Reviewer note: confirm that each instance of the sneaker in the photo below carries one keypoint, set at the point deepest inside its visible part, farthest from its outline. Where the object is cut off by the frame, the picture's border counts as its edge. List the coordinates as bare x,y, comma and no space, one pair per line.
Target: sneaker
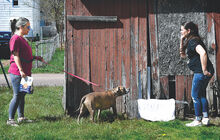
194,123
24,120
205,121
12,122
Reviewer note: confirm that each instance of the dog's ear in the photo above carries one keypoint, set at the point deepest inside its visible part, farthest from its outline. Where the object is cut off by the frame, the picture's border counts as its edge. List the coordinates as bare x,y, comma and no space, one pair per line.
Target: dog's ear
118,88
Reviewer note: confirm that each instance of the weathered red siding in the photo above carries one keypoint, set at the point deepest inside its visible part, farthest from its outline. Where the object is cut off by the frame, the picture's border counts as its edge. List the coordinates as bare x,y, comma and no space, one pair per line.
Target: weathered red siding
109,54
115,53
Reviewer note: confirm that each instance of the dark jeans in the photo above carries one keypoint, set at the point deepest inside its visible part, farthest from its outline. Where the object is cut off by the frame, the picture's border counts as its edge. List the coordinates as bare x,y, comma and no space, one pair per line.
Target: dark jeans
18,100
199,84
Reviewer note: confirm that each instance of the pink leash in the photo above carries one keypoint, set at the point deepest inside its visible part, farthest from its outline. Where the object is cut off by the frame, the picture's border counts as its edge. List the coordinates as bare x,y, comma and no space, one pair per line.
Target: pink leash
72,74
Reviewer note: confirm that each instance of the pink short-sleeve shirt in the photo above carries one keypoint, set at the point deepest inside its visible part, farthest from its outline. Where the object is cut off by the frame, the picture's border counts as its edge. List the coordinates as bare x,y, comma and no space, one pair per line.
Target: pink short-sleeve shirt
19,44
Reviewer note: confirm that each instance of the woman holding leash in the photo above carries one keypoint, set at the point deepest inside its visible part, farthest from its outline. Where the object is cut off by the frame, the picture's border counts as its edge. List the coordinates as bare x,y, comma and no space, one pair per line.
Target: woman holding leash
20,66
202,68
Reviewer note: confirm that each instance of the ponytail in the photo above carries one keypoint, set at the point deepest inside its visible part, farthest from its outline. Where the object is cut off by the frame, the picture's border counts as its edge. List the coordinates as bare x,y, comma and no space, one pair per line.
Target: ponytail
13,25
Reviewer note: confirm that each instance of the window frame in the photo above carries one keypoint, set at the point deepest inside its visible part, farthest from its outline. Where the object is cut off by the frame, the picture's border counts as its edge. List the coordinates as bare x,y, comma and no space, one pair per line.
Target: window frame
14,2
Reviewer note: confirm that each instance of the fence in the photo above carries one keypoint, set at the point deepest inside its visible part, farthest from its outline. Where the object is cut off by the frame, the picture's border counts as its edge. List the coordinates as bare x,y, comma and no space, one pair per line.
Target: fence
46,49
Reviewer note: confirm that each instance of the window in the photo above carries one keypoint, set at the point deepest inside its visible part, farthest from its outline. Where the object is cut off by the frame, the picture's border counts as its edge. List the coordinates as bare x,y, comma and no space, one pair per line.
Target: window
15,2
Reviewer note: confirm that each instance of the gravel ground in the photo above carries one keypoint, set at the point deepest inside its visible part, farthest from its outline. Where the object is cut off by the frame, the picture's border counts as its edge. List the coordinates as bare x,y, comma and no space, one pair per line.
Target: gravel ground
46,79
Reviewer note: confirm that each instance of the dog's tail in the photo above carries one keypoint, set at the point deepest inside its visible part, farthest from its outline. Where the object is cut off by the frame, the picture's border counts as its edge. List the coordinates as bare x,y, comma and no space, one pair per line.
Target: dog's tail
81,102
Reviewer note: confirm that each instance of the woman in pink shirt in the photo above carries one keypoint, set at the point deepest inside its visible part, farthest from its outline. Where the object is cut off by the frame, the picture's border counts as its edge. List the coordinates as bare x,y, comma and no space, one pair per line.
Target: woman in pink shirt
20,66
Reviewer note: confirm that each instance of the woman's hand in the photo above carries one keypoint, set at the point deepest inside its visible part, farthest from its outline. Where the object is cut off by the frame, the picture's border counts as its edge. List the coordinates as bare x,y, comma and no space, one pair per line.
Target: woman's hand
205,72
182,37
22,74
39,58
183,55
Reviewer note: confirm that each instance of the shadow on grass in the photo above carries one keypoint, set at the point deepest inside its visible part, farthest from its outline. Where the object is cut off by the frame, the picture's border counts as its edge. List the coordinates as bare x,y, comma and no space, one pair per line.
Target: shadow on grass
211,125
105,116
108,116
51,118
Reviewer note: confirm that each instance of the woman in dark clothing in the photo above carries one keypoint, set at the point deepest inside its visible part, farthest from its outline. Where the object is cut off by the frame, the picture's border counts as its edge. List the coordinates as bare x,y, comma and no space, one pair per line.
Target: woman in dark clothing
202,68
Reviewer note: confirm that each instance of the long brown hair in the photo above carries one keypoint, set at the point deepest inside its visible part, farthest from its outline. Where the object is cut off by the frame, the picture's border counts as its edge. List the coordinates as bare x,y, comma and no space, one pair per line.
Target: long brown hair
194,33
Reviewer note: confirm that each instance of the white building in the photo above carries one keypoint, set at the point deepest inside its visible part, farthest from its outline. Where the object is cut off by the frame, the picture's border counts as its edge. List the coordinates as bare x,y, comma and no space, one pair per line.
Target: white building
10,9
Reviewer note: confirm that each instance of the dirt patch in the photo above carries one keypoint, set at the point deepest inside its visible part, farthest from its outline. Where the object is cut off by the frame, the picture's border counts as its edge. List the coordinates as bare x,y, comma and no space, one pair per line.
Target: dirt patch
215,121
5,62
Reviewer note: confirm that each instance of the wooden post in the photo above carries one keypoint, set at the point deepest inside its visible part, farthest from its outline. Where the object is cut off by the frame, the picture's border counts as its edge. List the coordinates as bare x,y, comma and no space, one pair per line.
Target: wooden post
36,54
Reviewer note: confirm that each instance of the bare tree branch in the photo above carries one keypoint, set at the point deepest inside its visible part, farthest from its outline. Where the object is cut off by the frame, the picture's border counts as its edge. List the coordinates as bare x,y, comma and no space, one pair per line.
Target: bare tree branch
52,11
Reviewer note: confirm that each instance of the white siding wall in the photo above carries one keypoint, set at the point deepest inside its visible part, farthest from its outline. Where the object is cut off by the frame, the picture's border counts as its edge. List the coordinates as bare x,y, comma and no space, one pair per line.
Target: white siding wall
36,17
8,12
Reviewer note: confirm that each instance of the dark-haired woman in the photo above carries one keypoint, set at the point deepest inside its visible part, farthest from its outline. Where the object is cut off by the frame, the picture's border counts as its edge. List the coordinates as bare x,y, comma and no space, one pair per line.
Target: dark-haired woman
20,66
202,68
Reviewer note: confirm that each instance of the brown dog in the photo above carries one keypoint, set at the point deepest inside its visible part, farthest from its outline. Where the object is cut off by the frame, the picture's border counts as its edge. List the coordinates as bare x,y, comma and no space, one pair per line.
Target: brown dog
100,101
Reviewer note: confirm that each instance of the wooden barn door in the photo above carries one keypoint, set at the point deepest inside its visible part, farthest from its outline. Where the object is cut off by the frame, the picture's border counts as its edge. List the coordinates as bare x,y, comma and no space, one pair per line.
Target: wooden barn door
105,51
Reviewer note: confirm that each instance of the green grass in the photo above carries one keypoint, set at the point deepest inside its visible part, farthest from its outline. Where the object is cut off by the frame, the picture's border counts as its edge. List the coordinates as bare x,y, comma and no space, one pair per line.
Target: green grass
57,60
45,107
5,68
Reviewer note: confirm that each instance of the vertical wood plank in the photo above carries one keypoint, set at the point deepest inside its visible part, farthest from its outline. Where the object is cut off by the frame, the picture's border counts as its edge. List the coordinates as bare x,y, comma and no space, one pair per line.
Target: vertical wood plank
102,49
164,81
180,85
134,55
108,48
68,48
126,71
142,49
71,58
94,47
118,12
154,50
